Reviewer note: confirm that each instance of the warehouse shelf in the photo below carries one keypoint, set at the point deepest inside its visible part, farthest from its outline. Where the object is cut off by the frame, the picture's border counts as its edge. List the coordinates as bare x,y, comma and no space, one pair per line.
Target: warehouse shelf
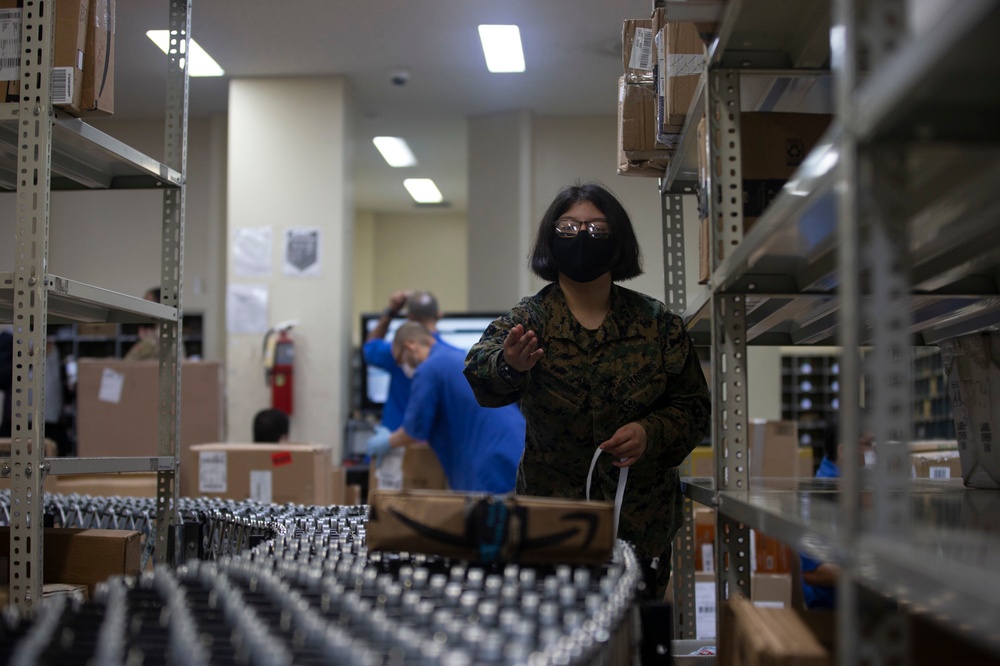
885,236
948,566
71,301
83,157
41,150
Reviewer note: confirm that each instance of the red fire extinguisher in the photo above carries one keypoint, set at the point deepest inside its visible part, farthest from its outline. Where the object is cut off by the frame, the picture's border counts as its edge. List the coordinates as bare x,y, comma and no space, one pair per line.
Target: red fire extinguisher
281,367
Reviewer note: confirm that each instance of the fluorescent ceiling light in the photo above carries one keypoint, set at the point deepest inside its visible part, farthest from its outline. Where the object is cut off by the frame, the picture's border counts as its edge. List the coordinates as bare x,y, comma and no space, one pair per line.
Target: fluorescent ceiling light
202,64
423,190
502,46
395,151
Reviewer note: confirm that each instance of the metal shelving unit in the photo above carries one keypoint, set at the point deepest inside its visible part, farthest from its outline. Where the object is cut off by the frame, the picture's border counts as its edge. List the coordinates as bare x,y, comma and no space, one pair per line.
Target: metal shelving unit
885,237
42,150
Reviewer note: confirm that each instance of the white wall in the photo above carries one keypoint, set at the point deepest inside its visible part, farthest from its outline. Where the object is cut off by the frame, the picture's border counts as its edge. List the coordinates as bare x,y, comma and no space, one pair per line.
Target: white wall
288,169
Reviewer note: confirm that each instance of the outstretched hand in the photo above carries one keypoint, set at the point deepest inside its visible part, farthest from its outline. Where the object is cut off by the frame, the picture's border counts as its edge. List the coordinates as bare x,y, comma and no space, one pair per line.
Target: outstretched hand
627,444
521,350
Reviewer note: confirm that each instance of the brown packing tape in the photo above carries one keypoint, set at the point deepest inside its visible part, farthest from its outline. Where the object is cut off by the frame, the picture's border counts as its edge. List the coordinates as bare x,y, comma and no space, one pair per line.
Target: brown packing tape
478,526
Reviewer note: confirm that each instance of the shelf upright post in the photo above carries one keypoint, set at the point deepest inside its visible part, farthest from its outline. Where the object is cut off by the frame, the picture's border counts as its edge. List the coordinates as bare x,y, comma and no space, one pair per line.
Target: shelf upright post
34,175
683,556
171,285
730,427
872,243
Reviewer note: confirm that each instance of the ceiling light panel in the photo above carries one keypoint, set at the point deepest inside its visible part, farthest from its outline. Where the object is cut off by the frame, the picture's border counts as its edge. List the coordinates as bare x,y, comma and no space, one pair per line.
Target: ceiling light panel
202,64
502,47
423,190
395,150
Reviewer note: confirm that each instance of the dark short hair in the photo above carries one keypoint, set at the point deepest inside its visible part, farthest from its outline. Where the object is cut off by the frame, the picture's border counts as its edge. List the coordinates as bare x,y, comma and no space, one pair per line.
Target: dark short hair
270,425
422,306
626,262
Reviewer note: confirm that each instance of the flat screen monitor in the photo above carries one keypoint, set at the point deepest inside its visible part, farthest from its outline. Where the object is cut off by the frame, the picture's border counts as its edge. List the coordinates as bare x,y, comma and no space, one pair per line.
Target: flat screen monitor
459,330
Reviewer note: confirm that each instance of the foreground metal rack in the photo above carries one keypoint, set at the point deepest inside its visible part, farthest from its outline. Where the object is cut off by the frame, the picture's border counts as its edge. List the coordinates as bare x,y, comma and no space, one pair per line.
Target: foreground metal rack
885,237
42,150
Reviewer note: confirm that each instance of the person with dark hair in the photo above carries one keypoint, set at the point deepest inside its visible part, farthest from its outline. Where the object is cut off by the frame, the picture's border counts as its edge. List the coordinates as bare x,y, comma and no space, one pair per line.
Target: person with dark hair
478,447
147,347
270,426
597,368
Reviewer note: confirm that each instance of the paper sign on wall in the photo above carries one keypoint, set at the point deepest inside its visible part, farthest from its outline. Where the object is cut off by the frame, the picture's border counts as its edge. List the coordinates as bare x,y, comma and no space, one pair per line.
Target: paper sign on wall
260,485
212,472
111,386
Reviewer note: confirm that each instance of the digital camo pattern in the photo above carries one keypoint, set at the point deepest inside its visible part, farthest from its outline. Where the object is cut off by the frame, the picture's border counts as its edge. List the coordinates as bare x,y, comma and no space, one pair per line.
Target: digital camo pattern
641,366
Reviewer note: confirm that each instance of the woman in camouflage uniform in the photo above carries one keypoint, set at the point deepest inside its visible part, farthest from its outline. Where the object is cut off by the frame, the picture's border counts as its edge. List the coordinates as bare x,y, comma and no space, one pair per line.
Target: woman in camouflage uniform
597,365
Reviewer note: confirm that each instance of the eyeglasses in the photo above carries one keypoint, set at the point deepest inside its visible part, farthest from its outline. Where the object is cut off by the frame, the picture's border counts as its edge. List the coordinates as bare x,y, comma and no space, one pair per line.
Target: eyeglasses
568,227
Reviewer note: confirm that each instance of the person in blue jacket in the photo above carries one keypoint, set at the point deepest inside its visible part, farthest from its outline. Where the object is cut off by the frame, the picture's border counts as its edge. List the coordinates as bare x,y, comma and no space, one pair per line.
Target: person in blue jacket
479,447
421,307
819,579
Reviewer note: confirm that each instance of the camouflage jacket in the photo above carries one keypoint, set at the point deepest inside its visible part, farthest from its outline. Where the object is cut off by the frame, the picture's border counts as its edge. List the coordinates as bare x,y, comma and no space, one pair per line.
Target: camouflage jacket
640,366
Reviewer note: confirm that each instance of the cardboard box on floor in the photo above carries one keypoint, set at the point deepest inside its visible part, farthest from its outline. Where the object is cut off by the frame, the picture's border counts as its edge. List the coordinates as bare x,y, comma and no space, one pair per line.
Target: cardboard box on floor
117,410
756,636
68,57
412,468
84,556
269,473
466,525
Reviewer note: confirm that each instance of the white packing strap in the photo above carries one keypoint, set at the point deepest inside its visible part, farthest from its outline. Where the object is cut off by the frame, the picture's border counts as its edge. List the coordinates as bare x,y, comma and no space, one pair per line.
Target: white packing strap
619,495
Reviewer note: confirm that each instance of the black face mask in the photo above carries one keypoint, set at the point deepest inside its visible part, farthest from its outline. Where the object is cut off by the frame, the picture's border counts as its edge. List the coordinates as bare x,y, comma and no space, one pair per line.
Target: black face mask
582,258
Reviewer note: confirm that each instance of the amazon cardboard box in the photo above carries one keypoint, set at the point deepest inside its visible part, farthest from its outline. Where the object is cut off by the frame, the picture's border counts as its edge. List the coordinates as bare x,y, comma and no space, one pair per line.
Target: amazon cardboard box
68,57
491,528
117,410
268,473
84,556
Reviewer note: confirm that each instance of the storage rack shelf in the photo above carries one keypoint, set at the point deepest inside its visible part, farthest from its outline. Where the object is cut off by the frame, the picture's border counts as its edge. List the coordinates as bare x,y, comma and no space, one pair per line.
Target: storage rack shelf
42,150
83,157
909,164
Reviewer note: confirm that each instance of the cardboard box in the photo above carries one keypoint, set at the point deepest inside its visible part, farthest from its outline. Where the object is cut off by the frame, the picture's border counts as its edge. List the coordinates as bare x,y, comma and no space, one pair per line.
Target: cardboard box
268,473
637,51
704,539
936,465
756,636
117,410
98,95
412,468
769,556
774,448
477,526
637,122
767,591
97,330
68,56
84,556
972,364
49,590
680,62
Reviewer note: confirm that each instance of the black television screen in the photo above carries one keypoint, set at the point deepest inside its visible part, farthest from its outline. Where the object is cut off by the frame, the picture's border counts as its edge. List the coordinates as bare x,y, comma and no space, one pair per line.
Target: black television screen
459,330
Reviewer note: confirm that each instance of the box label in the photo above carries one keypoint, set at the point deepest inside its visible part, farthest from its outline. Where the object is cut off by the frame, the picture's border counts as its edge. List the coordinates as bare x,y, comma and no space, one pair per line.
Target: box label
642,50
260,485
10,44
281,458
704,615
111,386
212,472
936,472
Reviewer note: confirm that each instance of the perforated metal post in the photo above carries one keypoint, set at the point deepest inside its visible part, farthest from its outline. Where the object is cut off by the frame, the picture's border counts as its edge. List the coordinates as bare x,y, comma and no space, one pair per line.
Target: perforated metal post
34,174
872,242
171,277
730,427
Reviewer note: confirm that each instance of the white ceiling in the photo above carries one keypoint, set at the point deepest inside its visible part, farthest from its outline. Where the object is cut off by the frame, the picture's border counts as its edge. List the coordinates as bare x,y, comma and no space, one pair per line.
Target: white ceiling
572,50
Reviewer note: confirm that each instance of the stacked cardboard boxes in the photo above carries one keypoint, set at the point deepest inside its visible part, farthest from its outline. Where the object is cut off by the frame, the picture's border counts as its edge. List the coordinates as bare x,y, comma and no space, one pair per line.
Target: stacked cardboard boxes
83,55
